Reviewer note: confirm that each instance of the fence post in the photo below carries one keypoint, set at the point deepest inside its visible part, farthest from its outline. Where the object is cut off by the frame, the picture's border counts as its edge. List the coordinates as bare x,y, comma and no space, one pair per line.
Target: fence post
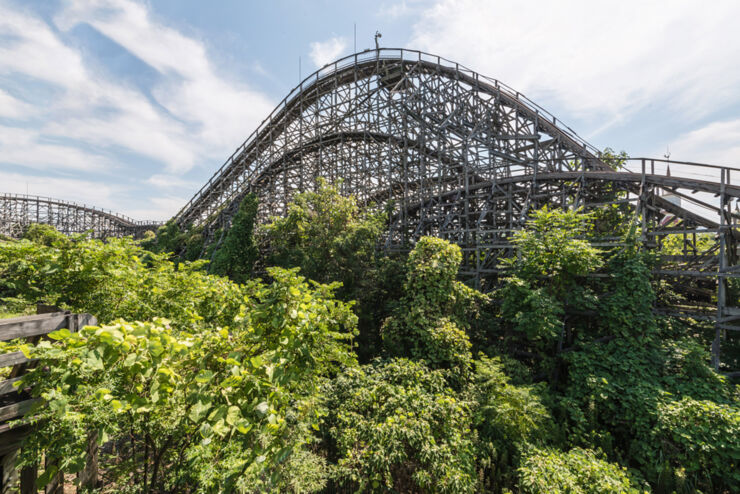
56,484
88,477
8,472
28,479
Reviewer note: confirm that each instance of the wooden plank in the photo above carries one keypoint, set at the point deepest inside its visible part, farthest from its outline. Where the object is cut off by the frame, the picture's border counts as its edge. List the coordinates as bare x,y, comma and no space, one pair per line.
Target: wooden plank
14,358
26,327
11,438
56,485
89,477
16,409
8,473
7,386
28,480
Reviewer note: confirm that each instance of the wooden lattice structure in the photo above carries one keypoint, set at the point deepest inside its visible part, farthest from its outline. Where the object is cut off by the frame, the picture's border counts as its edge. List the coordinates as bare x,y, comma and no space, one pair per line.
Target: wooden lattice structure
464,157
18,211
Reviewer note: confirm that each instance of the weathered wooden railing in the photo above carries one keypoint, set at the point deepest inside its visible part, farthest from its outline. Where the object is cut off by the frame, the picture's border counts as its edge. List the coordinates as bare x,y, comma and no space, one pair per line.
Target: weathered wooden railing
15,403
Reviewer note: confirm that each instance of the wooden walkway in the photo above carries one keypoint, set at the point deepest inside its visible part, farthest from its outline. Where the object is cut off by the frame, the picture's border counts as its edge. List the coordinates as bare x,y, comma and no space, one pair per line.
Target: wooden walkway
15,403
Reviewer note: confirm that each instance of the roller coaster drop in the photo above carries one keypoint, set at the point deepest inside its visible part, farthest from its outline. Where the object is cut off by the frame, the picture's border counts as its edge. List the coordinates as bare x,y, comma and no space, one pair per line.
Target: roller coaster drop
458,155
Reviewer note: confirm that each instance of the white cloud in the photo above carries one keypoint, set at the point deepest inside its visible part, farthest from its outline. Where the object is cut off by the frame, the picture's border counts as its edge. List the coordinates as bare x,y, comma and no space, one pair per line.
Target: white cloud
198,116
159,208
100,195
716,143
11,107
164,181
323,52
25,146
600,60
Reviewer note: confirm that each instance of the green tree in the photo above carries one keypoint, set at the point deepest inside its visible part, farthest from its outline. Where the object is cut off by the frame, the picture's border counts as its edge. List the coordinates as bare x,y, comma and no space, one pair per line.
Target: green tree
327,236
579,471
396,426
330,238
695,446
508,420
430,321
235,258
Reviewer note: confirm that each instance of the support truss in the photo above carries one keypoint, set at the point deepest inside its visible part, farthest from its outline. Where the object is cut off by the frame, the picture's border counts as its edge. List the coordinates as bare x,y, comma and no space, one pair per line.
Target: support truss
18,211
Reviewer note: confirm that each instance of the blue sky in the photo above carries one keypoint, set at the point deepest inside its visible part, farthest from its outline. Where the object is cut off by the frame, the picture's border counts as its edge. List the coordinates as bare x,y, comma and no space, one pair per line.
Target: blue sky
131,106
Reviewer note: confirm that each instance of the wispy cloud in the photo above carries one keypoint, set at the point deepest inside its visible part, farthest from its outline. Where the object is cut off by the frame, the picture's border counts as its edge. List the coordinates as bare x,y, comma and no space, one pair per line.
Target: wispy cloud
323,52
190,114
599,60
717,142
11,107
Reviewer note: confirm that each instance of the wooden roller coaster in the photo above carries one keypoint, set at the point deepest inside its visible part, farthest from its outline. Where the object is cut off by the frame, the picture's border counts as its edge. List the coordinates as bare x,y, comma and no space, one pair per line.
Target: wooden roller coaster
457,155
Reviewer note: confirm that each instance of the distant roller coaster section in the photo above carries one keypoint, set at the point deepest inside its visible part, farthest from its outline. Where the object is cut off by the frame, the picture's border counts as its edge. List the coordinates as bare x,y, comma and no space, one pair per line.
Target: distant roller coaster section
18,211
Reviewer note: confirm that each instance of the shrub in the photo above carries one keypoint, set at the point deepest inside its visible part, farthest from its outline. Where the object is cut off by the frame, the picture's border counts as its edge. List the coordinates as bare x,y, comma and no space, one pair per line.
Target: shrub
238,253
116,278
508,420
430,321
697,443
579,471
397,426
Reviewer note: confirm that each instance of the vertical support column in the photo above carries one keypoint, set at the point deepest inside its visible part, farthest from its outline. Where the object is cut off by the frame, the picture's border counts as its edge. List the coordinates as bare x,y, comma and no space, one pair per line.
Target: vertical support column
28,480
8,472
721,289
56,484
88,477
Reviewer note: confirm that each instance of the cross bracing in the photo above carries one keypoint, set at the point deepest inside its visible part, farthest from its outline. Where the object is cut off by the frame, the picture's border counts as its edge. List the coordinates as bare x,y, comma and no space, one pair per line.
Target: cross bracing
19,211
464,157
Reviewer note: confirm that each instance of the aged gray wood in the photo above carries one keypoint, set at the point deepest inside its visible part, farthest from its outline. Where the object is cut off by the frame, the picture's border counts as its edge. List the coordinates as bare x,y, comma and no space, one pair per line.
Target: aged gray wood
7,386
15,410
28,326
56,485
8,472
13,358
89,477
28,480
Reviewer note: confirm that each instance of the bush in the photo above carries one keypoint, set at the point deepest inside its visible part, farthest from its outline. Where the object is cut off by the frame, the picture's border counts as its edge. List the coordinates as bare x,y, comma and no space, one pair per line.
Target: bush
508,420
697,443
213,410
328,237
579,471
430,321
397,426
114,279
238,253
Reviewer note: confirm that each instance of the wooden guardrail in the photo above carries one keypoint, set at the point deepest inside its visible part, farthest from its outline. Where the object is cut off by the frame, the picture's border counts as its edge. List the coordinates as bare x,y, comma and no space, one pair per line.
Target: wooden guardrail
15,403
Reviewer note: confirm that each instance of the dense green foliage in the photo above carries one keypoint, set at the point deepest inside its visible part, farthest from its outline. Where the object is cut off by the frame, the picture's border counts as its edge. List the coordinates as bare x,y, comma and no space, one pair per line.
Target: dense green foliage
381,375
116,279
330,238
236,257
327,236
429,323
397,425
579,471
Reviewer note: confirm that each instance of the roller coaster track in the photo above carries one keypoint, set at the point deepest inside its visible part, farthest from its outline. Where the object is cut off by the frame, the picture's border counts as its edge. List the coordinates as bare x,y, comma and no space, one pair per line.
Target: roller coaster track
464,157
18,211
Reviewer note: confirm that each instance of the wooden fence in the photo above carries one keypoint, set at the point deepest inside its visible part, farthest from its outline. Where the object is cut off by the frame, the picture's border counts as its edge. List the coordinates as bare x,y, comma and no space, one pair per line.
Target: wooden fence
15,403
